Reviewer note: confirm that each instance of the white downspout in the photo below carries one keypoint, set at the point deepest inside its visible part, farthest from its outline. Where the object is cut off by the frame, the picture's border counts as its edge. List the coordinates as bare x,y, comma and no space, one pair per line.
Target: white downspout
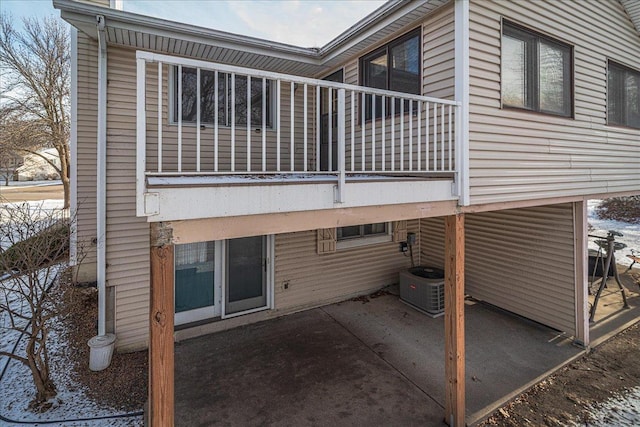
73,148
101,345
101,175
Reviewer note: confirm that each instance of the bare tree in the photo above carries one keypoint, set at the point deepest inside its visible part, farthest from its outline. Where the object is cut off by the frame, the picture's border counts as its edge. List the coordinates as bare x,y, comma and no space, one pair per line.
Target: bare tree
34,245
35,90
10,161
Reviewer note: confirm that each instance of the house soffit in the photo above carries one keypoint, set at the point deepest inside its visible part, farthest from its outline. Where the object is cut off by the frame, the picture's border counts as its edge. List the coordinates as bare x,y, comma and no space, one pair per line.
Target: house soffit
632,7
142,32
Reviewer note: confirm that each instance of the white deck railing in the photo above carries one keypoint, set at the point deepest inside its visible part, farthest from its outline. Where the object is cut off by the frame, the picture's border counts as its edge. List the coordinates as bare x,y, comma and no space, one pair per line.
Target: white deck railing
373,131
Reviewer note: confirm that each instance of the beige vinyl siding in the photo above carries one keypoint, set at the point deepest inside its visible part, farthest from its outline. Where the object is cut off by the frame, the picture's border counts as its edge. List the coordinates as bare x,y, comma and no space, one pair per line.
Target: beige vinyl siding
104,3
87,81
438,72
127,236
517,155
207,136
520,260
438,52
351,73
321,279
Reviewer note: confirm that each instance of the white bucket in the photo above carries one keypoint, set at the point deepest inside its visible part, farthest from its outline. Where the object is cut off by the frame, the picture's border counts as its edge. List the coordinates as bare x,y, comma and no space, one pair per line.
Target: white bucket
101,351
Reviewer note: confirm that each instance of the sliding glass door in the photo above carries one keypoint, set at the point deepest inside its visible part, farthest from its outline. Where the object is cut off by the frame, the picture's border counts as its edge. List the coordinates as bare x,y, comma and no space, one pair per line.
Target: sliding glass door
222,278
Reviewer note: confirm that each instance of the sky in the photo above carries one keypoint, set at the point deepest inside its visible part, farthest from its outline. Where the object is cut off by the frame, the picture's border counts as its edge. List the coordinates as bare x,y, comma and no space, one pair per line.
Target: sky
306,23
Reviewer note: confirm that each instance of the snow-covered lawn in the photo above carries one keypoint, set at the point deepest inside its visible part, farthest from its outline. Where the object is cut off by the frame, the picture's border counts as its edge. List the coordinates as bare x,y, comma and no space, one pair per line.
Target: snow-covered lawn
22,184
41,210
69,408
47,204
631,233
620,410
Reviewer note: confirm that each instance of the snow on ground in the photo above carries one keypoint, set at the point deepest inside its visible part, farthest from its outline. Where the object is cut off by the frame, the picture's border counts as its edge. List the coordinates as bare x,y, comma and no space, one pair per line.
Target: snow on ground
40,210
69,408
47,204
631,233
13,184
622,410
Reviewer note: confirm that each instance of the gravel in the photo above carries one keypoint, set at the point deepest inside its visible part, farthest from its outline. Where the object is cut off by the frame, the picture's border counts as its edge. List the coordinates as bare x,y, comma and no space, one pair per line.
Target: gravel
123,385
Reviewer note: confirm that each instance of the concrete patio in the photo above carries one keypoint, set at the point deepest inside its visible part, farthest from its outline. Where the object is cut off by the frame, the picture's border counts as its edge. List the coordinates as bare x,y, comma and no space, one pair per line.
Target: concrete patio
370,361
611,316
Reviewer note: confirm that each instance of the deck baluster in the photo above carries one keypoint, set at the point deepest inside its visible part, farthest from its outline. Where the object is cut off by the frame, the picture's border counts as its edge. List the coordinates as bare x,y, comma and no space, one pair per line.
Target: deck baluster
159,168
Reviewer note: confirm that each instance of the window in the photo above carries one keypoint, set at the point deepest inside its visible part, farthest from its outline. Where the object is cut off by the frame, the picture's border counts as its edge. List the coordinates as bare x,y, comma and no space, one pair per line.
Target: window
395,66
209,92
536,72
623,96
365,234
357,231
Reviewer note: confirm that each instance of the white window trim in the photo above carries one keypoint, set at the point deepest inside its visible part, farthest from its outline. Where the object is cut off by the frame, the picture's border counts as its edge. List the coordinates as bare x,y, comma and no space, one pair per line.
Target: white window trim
211,311
539,37
625,68
195,315
173,119
356,242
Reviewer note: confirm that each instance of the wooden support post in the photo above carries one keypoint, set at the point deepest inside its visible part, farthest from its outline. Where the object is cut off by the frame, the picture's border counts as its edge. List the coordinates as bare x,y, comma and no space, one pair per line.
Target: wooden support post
454,321
161,369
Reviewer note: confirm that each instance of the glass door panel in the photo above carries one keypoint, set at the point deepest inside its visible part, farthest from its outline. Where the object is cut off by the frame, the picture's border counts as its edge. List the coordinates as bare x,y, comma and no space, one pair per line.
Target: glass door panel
246,274
194,281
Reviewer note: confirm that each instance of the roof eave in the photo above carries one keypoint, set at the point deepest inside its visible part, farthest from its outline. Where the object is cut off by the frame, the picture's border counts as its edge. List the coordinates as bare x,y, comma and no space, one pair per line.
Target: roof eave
312,62
632,8
85,13
360,26
75,10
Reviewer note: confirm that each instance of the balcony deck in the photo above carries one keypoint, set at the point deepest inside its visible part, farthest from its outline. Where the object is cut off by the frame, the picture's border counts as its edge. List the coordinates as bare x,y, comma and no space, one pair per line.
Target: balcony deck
182,197
275,151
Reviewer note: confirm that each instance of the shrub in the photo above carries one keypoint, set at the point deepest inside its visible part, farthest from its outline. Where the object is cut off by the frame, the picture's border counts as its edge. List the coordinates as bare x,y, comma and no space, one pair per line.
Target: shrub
620,209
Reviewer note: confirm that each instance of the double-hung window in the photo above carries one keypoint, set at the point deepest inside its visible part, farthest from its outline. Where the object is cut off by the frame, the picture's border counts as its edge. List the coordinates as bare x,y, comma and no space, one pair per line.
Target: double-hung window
623,96
395,66
257,98
536,72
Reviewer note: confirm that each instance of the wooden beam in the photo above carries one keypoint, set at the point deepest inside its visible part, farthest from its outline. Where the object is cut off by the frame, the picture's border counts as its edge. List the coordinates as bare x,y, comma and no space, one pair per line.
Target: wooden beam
198,230
161,321
454,321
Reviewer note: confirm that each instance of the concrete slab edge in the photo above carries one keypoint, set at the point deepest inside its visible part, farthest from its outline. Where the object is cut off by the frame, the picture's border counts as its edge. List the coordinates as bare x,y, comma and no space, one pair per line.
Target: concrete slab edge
482,414
607,337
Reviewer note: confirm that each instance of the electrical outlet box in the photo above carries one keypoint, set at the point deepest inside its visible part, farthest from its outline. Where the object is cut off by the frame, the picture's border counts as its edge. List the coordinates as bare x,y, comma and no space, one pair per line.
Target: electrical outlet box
404,247
411,239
